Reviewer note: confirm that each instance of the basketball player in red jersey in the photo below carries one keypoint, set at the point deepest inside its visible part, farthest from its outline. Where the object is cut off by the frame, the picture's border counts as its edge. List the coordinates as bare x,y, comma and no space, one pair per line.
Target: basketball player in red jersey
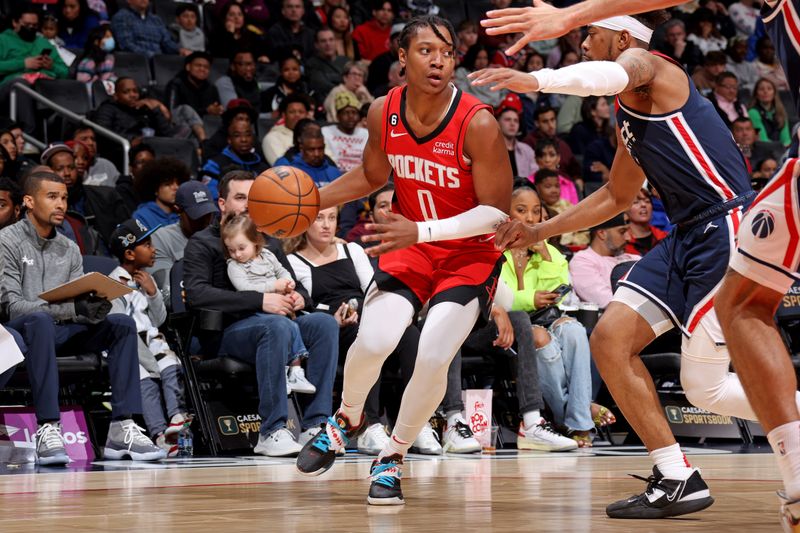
452,181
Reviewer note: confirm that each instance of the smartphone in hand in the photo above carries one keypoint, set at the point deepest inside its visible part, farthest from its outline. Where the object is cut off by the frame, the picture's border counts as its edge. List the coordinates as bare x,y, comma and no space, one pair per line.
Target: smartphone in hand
46,52
562,291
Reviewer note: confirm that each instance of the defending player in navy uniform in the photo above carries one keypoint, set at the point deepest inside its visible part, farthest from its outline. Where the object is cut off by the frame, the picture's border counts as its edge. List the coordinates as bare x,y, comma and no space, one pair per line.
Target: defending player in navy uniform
669,134
452,189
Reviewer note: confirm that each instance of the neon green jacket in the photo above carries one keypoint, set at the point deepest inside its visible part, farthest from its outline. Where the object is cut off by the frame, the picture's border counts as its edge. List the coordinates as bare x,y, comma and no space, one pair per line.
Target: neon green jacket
14,51
539,275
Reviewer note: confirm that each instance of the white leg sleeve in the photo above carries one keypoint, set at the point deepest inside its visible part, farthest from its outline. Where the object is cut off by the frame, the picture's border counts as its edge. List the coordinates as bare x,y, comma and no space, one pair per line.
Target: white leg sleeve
384,320
446,328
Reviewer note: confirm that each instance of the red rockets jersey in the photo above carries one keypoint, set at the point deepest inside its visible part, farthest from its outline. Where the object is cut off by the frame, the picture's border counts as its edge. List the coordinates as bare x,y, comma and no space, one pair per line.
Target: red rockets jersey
432,175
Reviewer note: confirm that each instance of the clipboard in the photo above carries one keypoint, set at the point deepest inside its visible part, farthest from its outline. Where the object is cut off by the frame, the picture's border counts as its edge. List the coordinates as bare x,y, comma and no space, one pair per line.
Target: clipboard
95,282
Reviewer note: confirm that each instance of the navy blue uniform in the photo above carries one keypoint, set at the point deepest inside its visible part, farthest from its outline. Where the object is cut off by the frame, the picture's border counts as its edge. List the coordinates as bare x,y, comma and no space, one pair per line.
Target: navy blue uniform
691,159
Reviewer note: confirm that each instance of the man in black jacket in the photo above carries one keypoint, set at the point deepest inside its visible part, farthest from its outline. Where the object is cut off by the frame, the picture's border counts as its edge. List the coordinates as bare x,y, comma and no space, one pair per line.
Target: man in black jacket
257,328
191,86
325,68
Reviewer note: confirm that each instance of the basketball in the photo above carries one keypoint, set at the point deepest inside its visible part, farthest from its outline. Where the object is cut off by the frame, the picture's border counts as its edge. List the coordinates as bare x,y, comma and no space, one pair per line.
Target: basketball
283,202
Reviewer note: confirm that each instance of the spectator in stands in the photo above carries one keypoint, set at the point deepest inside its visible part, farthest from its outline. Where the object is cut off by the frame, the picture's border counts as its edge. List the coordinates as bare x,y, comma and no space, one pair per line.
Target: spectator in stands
345,138
76,20
239,154
372,37
746,71
598,158
256,328
131,116
523,159
353,81
590,269
10,163
705,34
643,235
342,27
705,78
160,373
190,35
279,139
81,153
238,109
467,34
548,158
571,42
6,170
196,208
97,61
256,12
137,30
744,16
126,184
678,47
764,170
289,81
397,77
726,98
544,118
379,205
299,130
321,11
82,323
191,87
290,31
562,346
159,181
548,189
325,68
746,139
311,158
379,67
101,171
768,114
23,59
477,58
19,139
234,34
595,115
241,80
10,200
768,65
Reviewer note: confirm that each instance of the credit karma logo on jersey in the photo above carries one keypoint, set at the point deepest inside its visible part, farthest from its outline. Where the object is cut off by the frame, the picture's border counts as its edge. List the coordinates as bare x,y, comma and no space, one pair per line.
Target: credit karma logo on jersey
420,169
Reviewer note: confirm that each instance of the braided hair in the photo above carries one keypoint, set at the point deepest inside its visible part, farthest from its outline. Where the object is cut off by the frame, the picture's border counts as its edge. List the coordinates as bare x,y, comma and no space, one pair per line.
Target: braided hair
433,22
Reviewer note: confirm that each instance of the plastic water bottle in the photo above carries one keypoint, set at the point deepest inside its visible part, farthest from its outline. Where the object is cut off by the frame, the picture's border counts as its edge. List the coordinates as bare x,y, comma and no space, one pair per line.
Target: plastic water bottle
185,442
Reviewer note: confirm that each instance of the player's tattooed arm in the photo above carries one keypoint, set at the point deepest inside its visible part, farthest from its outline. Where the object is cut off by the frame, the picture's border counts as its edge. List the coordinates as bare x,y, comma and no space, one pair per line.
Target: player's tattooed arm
640,65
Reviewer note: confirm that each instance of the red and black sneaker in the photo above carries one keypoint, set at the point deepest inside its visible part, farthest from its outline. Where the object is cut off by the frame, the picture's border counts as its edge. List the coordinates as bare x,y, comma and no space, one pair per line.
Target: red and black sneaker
318,454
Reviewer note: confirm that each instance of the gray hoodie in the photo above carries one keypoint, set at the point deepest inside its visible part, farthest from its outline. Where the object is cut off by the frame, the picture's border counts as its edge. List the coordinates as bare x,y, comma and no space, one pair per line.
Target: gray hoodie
32,265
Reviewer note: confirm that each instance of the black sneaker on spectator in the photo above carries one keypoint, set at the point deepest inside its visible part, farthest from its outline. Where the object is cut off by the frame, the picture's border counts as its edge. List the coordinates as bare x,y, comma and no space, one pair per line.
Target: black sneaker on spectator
279,443
50,448
544,438
385,487
459,438
664,497
126,439
427,442
318,454
373,440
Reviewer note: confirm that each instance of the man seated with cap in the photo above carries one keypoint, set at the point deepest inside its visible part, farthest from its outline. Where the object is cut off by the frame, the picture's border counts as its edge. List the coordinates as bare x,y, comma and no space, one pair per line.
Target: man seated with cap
191,86
36,259
346,139
196,209
590,269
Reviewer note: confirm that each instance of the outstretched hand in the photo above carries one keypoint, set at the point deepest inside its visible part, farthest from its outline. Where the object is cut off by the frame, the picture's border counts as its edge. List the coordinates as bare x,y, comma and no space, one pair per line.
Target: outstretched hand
397,233
516,234
537,23
505,78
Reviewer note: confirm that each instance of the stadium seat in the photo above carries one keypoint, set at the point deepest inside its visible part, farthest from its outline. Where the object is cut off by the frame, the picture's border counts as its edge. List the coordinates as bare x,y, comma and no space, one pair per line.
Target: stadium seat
134,66
166,10
166,67
71,94
98,263
219,68
182,149
212,123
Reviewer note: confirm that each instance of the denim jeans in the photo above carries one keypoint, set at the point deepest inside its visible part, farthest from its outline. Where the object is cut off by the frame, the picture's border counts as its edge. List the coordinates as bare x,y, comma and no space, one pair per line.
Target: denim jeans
265,341
564,370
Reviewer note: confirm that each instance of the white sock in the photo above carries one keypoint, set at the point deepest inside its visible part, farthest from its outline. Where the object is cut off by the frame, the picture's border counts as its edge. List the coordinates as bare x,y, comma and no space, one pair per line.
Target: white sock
785,442
454,417
394,446
672,462
531,418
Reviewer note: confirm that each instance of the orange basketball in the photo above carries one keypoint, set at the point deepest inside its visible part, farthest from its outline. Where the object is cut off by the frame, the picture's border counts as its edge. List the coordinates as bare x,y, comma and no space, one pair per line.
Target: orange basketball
283,202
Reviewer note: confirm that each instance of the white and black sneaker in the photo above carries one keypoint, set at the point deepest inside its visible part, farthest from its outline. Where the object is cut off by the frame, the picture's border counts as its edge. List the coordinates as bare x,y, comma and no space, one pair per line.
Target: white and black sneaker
790,514
544,438
427,442
373,440
664,497
459,439
50,448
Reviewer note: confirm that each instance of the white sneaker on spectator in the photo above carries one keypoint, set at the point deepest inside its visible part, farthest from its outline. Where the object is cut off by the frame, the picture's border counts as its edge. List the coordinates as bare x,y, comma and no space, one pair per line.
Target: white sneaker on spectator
308,434
171,449
459,438
280,443
373,440
176,423
544,438
427,442
298,382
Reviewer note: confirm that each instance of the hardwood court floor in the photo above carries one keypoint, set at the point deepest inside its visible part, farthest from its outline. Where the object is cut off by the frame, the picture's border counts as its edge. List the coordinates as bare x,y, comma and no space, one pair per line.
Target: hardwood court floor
525,492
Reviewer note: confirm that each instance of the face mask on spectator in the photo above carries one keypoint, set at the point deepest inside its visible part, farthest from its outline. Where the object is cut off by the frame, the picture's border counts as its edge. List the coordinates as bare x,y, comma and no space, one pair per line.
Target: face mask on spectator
108,44
27,33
